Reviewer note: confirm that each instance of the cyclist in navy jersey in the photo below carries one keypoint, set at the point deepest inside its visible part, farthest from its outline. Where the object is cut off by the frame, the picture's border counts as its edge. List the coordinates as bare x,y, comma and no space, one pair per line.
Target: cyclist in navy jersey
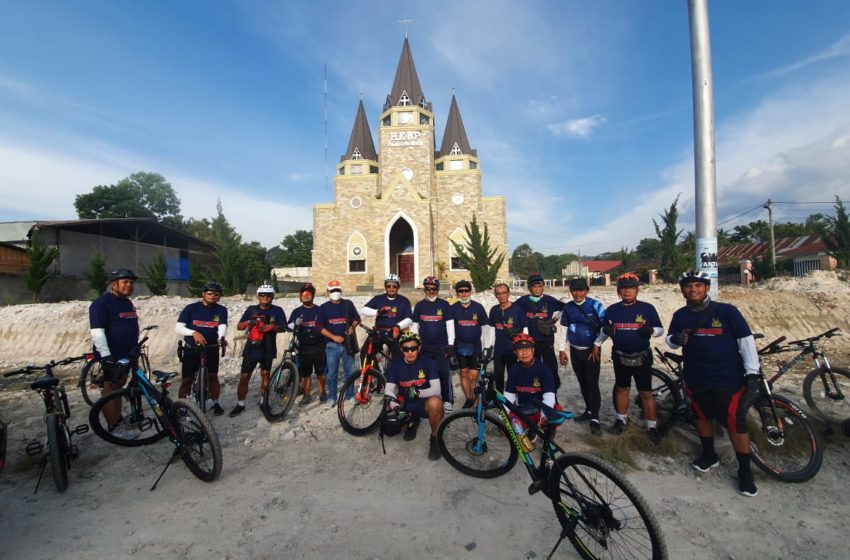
541,313
507,320
720,369
529,381
391,310
630,324
339,318
471,327
203,323
432,320
311,345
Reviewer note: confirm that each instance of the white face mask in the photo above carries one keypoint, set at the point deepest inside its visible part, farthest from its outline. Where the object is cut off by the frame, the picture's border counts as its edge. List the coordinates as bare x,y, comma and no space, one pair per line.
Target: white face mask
465,300
431,298
335,296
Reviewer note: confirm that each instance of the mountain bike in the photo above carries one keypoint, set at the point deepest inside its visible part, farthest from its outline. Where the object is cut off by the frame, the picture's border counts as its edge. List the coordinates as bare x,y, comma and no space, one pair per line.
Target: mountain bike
599,510
199,393
360,414
151,416
91,376
282,389
782,441
57,448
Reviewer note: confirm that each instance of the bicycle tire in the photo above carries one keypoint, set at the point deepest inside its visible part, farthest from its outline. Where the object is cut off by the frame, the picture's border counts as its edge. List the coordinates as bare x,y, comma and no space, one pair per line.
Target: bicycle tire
827,399
199,388
196,439
601,512
668,399
790,452
360,414
58,448
133,406
279,395
91,381
458,439
3,430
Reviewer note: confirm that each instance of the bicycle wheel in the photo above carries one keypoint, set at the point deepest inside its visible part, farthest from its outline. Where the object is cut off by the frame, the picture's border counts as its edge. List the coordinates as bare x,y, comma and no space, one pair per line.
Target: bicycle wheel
360,414
785,446
57,451
279,395
827,392
199,388
136,420
601,512
668,398
489,456
196,439
91,381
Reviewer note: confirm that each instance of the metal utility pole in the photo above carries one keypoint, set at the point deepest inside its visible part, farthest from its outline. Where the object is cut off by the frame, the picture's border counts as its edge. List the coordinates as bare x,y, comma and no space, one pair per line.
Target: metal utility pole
705,195
772,240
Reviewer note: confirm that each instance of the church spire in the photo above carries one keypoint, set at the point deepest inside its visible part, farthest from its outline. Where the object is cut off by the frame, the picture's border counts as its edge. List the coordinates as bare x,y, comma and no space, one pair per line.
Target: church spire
360,145
406,89
455,141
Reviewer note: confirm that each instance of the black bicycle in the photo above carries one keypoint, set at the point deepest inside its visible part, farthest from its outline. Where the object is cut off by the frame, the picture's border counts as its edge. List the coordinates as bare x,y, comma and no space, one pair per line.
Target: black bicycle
282,389
199,393
360,414
91,376
57,448
147,414
600,511
782,441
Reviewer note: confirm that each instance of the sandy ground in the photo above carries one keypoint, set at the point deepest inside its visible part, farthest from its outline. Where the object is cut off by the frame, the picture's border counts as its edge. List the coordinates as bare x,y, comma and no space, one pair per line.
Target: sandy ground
305,489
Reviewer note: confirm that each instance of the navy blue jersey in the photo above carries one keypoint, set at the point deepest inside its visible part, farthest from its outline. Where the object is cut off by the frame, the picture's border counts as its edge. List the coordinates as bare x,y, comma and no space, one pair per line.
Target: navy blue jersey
583,321
117,316
530,382
399,310
627,319
431,316
267,345
336,317
468,323
205,320
711,354
541,309
419,374
507,320
309,334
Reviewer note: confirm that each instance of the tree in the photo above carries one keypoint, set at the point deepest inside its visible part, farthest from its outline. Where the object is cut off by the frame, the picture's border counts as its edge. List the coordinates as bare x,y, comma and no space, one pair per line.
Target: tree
198,276
671,259
141,195
477,257
295,250
96,276
627,259
524,260
40,257
836,235
648,249
155,272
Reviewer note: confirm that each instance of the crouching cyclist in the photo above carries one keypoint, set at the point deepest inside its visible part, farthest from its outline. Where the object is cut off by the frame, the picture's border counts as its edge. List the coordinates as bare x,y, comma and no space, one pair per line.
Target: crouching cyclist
413,386
530,381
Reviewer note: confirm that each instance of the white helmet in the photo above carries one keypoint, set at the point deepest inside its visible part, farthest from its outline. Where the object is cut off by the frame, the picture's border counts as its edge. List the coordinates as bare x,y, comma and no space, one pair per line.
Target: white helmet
392,278
265,289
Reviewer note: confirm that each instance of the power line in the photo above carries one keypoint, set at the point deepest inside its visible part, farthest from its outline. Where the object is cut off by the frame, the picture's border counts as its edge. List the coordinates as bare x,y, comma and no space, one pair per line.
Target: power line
808,202
758,207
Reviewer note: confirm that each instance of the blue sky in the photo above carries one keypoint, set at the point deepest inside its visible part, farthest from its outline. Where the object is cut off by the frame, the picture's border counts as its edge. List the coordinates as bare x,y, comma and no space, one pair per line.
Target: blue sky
580,111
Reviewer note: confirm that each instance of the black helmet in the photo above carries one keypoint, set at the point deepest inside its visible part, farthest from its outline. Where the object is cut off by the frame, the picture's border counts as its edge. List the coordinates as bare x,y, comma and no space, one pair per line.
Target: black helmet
579,284
463,284
694,276
393,421
533,279
213,287
307,287
431,281
628,280
121,273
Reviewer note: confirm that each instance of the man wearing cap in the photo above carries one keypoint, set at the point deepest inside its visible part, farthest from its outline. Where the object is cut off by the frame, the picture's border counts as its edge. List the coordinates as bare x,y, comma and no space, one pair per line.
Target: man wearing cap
507,320
261,323
471,328
529,381
541,312
432,319
630,324
583,318
115,333
720,369
392,311
311,345
339,318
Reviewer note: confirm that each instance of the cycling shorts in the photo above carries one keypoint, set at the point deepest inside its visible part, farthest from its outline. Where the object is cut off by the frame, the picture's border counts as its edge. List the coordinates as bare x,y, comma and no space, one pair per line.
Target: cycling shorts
249,363
623,375
312,359
468,362
415,407
114,377
719,403
192,360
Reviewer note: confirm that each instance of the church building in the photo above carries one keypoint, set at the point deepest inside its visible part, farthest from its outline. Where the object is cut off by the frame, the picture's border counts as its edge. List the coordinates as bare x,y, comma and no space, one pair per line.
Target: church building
397,208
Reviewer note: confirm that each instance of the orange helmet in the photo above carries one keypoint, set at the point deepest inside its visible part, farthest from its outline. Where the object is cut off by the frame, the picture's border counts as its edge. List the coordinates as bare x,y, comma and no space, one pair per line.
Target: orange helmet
628,280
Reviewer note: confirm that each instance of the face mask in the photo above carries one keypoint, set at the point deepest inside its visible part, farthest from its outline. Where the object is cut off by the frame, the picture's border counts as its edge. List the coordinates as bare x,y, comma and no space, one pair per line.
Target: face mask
534,299
336,296
431,298
465,300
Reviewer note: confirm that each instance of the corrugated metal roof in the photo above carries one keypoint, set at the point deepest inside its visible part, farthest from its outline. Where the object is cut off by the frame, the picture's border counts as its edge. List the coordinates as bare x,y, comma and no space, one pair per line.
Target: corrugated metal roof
786,247
601,266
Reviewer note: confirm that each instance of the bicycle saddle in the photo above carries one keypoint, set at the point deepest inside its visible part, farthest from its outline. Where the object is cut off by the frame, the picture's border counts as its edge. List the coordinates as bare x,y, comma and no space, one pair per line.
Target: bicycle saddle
163,375
44,382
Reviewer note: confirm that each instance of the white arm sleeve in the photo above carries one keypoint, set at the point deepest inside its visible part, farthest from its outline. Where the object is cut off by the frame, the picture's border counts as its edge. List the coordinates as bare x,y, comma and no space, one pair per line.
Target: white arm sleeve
657,331
183,330
487,336
676,346
747,348
390,391
404,323
600,340
98,336
561,343
414,328
432,391
222,330
510,397
368,311
450,331
548,400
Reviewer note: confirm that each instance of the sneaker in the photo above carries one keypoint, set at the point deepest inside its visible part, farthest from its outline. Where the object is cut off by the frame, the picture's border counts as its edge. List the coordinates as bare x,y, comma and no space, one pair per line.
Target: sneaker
595,428
583,417
706,462
468,403
747,485
305,400
410,430
237,410
122,432
331,401
434,449
217,410
654,435
618,427
447,407
323,398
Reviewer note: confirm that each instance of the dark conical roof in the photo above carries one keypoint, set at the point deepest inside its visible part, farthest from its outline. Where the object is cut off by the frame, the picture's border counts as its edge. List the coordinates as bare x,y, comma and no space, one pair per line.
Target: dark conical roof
406,82
455,134
360,145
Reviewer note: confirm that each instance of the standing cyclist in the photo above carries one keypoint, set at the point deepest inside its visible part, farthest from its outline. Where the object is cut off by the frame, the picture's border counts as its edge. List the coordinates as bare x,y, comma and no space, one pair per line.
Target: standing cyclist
339,318
471,327
391,309
311,345
541,312
432,319
508,320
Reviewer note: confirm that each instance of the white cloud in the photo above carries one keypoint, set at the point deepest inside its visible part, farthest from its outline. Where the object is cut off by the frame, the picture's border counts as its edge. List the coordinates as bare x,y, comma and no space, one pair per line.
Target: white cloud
581,128
839,49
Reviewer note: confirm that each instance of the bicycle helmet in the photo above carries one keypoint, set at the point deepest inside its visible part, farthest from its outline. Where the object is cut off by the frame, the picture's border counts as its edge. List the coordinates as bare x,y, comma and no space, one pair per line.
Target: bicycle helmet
213,287
694,276
463,284
523,340
392,278
628,280
334,286
265,289
408,337
394,421
307,287
122,273
533,279
431,281
579,284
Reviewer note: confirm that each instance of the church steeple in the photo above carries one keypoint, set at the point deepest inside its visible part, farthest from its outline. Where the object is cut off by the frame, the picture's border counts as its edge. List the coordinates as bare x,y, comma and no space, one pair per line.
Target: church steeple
406,89
360,145
455,141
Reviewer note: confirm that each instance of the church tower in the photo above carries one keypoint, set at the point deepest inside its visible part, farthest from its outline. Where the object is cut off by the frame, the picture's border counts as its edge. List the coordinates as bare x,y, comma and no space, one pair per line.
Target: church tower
396,210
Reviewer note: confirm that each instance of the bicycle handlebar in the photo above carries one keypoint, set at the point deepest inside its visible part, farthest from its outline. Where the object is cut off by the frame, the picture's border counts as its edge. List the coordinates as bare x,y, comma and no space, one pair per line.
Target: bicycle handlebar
807,341
773,347
50,365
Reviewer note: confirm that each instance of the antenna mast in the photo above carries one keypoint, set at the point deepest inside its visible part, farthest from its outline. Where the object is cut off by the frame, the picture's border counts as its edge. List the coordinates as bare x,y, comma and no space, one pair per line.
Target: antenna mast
326,124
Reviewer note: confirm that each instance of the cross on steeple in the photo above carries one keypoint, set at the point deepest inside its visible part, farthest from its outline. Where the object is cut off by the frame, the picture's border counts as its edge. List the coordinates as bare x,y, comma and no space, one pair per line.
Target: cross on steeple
404,22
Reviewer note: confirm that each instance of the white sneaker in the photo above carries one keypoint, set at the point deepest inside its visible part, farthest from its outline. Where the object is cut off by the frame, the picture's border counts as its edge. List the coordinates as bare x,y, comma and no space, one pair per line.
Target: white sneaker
447,408
122,432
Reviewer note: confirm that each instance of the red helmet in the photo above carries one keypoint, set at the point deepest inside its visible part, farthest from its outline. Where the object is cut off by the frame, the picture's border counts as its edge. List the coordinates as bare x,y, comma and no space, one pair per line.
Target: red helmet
628,280
431,281
523,340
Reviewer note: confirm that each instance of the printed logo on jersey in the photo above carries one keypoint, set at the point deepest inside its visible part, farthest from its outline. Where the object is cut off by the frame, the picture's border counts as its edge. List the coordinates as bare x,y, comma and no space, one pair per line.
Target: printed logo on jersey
431,318
421,374
205,324
128,315
440,312
640,319
337,321
536,382
715,322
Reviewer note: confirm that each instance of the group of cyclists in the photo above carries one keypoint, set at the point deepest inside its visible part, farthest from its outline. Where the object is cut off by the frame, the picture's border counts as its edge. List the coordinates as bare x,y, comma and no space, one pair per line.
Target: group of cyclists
435,336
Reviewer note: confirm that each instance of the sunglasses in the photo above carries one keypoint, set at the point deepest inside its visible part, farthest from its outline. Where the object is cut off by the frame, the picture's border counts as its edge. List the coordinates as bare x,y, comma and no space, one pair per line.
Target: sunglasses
464,291
431,290
391,286
409,348
265,295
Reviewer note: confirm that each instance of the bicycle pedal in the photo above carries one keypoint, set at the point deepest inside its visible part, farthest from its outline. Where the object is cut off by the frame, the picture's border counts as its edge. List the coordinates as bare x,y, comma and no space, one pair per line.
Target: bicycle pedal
80,430
34,448
145,424
535,487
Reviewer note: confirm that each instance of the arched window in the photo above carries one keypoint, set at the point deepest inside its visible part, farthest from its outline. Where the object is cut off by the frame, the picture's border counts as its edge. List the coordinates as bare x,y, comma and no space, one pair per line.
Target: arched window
356,253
